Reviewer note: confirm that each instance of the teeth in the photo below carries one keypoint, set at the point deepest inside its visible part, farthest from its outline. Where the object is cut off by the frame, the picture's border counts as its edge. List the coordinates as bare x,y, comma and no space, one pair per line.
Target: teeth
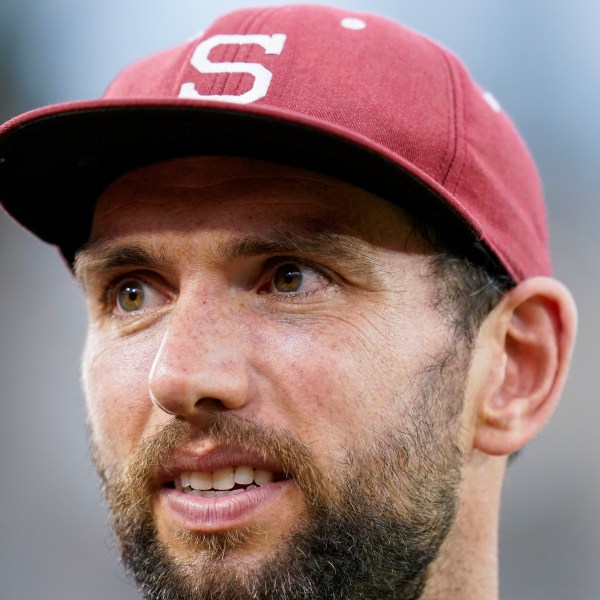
200,481
244,475
221,482
262,477
223,479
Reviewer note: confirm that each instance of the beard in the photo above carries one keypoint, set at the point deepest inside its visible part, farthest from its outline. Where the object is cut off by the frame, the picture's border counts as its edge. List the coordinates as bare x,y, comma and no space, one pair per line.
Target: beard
373,525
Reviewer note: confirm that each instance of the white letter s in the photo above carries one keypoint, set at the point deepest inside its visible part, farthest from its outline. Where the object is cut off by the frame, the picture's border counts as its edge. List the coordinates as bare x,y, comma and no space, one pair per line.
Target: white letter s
273,44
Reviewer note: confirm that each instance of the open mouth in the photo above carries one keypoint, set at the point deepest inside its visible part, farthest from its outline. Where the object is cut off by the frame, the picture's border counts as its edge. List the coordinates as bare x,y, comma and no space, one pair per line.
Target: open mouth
226,481
221,490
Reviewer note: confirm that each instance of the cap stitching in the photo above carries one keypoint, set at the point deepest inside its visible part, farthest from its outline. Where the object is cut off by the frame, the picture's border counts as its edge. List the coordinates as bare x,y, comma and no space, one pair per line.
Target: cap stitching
191,48
230,54
456,164
235,51
242,51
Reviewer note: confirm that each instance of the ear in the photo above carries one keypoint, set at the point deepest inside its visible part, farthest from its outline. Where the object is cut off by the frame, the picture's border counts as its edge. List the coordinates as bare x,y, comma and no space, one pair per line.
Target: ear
532,332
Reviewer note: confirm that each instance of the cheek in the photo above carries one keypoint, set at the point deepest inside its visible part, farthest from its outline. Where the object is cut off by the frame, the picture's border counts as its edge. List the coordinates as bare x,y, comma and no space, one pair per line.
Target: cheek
334,375
115,375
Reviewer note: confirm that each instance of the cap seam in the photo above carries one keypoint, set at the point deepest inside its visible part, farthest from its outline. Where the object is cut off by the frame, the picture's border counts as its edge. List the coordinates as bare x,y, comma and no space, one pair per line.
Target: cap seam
456,164
236,51
254,20
184,65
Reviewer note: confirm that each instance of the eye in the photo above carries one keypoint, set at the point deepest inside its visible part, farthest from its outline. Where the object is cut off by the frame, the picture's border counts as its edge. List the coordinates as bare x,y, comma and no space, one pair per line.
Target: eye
134,295
295,278
288,278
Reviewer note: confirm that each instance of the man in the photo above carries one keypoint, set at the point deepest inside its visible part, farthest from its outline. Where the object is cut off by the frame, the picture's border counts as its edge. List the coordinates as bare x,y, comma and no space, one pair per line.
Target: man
321,310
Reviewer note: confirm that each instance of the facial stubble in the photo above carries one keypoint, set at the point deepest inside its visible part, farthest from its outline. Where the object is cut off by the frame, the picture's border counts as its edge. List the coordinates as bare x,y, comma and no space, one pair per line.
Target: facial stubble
372,527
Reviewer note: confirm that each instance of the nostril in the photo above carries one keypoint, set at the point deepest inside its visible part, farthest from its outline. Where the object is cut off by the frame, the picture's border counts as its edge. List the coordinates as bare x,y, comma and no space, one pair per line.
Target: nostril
209,404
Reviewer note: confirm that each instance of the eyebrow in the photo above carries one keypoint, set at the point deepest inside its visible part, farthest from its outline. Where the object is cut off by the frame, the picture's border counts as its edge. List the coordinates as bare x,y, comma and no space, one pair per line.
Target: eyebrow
310,242
106,256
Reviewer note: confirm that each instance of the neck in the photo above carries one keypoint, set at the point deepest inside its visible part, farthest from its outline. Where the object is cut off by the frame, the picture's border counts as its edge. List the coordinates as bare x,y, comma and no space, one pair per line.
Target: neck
467,565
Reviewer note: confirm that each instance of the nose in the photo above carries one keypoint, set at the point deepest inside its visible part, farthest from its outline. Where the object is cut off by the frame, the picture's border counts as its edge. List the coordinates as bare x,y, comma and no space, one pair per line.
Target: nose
201,363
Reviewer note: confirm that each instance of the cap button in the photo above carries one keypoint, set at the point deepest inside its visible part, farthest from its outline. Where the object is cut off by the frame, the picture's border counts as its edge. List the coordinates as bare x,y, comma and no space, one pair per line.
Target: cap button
353,23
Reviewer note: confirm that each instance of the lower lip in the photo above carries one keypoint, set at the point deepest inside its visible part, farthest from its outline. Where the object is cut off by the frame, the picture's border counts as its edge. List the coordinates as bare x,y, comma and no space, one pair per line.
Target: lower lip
214,515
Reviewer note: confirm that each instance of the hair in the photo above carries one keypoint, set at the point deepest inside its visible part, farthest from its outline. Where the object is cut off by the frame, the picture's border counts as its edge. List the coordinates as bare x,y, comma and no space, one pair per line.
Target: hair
470,279
470,283
467,291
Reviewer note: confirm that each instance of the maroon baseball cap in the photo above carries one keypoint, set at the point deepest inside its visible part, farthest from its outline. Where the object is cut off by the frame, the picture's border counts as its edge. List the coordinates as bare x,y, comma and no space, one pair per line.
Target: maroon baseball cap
352,95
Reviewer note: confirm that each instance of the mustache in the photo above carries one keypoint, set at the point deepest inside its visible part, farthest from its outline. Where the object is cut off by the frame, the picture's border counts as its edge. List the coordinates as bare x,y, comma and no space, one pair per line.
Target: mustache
136,480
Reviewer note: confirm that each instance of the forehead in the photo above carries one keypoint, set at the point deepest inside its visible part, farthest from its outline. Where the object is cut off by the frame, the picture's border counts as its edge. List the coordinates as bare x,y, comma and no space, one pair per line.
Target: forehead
238,194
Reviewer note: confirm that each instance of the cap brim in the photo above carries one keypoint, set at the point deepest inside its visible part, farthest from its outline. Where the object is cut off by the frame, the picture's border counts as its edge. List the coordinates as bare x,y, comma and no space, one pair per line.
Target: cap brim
54,162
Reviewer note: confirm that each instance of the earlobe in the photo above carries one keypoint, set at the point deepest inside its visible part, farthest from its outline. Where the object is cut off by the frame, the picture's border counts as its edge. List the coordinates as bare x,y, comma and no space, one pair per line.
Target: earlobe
534,330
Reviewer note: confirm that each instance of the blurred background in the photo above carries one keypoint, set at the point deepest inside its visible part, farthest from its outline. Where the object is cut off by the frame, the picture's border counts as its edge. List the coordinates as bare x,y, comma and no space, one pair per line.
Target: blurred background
540,58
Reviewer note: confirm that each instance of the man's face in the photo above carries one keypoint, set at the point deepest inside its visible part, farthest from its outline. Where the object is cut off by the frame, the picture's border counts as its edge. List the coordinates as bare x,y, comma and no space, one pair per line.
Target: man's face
308,442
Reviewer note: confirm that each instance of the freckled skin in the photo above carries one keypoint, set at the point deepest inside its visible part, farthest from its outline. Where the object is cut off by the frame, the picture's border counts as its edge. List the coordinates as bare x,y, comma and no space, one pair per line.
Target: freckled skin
324,366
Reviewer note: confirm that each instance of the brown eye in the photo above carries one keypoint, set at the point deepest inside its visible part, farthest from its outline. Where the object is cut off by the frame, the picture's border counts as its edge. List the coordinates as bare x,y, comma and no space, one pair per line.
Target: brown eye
130,296
288,278
296,280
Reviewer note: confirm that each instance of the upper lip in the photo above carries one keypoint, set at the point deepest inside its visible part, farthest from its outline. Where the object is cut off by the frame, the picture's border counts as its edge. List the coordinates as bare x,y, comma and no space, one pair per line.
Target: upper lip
212,459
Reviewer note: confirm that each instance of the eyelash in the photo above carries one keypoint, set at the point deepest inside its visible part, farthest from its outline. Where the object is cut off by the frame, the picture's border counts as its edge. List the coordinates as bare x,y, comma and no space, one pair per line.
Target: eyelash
110,290
270,269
